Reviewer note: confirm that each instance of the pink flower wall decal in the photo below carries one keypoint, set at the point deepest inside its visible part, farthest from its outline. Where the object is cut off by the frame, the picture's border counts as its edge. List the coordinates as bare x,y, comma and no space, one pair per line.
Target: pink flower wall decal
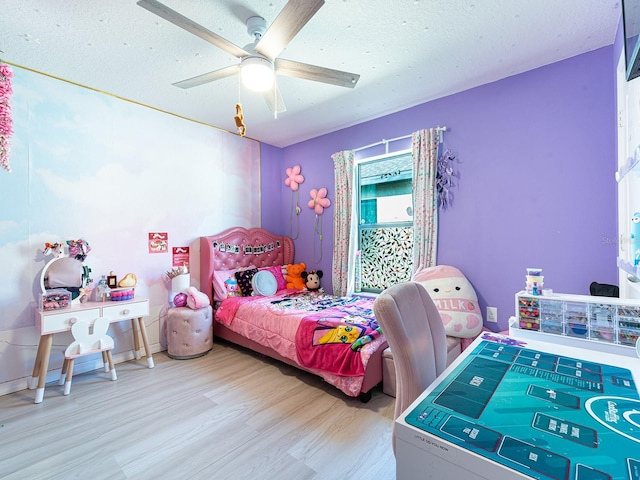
319,200
294,179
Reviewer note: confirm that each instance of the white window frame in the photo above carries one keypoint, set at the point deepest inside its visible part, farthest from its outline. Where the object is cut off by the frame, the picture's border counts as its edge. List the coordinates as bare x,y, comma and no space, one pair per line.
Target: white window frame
357,214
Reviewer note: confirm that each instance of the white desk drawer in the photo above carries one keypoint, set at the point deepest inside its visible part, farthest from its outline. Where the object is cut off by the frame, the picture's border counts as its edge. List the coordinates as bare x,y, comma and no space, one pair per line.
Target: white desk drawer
122,311
60,322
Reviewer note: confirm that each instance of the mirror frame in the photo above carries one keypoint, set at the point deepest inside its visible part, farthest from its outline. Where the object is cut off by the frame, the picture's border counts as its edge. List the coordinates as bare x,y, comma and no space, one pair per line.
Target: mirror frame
75,296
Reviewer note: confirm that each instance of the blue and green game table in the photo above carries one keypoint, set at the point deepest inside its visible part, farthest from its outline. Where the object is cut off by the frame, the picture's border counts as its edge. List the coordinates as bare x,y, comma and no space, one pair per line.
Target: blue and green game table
547,416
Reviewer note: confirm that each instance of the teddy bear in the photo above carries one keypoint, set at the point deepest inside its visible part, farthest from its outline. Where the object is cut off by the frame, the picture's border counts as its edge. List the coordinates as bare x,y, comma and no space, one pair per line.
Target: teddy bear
294,276
312,280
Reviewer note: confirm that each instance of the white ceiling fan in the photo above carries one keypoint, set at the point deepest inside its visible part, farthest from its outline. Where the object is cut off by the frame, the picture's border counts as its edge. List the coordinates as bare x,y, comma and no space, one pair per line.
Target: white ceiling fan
259,61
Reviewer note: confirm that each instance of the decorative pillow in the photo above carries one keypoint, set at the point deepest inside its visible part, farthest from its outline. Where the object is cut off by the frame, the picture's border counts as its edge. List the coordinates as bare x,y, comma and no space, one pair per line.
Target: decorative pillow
225,284
455,299
277,273
244,281
264,283
196,299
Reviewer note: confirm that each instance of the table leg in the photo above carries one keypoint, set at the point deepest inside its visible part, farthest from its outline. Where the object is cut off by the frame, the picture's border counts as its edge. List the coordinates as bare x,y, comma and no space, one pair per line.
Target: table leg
147,350
136,340
44,366
36,365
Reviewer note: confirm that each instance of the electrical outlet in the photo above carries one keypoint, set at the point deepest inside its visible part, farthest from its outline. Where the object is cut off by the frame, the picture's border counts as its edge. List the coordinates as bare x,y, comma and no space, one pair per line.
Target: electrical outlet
492,314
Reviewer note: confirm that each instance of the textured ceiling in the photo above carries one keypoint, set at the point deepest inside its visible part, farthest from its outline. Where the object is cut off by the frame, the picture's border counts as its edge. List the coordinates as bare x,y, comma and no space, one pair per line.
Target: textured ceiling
406,51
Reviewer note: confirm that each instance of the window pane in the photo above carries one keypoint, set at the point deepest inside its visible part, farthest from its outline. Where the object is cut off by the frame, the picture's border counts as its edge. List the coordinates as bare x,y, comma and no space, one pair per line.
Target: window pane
385,230
386,257
385,190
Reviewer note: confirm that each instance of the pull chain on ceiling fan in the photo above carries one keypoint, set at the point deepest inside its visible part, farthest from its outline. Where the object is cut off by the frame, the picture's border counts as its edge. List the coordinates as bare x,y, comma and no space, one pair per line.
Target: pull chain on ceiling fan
261,56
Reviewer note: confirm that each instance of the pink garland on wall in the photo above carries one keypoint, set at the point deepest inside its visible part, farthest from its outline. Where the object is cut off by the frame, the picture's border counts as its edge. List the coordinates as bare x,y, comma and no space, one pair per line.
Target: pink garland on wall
6,122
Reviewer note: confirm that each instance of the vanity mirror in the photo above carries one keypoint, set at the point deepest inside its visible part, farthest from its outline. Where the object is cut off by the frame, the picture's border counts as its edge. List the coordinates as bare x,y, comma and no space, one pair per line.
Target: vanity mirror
66,271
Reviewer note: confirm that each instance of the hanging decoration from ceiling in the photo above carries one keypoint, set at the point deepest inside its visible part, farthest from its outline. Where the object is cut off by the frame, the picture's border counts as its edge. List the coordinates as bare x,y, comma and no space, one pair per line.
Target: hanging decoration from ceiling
6,122
318,203
239,119
293,181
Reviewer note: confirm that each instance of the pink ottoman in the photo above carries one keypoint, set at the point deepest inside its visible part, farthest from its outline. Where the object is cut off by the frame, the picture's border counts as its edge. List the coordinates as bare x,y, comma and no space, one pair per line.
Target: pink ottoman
189,332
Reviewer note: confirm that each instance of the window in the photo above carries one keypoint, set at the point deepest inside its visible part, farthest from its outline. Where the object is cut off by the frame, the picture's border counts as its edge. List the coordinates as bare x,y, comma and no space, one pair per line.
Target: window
385,221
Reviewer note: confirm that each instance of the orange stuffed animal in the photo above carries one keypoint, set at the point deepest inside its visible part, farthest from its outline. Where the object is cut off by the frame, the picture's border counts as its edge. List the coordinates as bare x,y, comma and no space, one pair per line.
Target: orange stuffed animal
294,276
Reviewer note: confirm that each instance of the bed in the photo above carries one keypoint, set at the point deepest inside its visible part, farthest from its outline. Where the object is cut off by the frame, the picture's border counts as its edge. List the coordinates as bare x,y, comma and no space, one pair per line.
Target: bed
274,325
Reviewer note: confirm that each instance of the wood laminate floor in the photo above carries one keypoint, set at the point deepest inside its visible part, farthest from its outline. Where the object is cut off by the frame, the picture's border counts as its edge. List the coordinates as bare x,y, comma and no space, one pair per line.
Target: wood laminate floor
228,415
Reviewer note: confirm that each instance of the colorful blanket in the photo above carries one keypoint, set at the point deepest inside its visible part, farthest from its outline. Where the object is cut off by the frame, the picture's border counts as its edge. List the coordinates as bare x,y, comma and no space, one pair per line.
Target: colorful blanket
331,339
330,330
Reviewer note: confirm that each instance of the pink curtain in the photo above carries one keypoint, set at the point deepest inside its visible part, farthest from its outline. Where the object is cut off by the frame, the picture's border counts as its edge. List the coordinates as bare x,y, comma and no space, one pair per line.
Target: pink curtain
424,150
343,167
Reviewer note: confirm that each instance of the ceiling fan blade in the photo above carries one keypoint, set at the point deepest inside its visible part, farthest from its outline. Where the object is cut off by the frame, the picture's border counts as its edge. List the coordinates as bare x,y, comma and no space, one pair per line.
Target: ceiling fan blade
190,26
208,77
290,68
274,99
294,16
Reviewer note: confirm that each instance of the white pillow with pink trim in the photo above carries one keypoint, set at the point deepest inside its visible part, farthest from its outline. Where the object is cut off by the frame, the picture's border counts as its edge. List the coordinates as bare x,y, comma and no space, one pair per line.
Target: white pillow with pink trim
455,299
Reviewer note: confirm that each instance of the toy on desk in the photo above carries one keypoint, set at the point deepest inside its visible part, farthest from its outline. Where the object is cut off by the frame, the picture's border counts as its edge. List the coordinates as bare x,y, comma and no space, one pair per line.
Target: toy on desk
103,288
635,238
312,280
129,280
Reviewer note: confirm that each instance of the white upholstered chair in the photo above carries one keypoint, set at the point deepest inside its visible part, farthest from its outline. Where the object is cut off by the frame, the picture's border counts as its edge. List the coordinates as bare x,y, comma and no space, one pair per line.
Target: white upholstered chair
414,330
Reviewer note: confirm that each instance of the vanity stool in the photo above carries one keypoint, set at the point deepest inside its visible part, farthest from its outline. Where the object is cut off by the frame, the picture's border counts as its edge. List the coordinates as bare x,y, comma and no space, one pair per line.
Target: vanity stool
189,332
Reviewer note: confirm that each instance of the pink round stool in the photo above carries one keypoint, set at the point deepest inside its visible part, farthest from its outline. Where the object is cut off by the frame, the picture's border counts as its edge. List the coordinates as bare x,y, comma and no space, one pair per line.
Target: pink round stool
189,332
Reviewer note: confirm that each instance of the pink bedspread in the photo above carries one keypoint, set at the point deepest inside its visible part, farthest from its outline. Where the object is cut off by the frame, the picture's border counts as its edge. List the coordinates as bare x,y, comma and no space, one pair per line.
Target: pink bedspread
274,321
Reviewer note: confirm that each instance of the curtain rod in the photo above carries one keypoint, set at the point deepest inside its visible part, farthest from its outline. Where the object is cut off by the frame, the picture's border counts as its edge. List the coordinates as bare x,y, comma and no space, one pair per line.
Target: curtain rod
387,142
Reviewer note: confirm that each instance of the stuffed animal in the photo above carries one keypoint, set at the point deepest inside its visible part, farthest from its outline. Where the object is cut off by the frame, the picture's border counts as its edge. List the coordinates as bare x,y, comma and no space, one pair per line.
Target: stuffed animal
455,299
312,280
239,119
196,299
294,276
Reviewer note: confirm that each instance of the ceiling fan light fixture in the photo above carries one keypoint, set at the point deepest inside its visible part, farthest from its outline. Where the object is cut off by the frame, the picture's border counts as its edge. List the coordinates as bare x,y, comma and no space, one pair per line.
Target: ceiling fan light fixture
257,73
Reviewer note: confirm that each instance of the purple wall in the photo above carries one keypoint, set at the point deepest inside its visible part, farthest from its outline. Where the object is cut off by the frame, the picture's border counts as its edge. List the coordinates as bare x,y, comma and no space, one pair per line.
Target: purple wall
536,187
271,179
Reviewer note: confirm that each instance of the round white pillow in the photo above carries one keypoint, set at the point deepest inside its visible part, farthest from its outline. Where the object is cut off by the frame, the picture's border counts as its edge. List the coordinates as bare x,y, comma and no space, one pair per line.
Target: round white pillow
264,283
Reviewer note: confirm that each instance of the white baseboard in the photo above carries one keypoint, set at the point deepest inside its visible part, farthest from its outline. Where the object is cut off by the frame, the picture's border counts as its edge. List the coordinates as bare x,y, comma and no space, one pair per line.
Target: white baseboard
78,368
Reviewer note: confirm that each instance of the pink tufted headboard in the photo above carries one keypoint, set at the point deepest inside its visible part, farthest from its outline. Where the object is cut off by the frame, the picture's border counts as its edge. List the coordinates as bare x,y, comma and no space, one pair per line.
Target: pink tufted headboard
240,247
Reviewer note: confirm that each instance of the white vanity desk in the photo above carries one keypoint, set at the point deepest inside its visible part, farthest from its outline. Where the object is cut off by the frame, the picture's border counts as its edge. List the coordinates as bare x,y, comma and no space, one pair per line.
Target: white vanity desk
54,321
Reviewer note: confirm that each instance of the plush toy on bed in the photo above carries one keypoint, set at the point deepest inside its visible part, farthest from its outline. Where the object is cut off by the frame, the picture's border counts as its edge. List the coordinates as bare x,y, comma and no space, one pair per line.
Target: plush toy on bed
455,299
312,280
196,299
294,276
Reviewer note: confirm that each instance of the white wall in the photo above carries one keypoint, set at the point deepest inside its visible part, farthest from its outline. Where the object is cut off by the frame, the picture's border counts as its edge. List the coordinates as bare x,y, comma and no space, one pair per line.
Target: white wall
628,103
88,165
